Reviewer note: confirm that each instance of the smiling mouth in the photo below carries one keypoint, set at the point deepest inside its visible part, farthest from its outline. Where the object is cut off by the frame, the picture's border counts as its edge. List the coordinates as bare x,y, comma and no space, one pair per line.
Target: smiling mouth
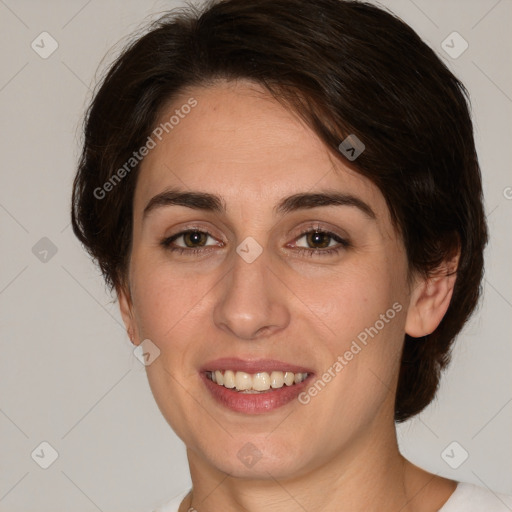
254,383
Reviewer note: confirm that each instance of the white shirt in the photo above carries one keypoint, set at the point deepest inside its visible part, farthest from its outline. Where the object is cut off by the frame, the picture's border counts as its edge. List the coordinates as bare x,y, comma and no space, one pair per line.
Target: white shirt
465,498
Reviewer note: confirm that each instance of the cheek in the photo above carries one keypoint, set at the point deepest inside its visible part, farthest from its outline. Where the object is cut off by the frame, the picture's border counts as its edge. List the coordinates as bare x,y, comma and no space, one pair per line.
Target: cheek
361,313
352,299
165,301
168,307
170,303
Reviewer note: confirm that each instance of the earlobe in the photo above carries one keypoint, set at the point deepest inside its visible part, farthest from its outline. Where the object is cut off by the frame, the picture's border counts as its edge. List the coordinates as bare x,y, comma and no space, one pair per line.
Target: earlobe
125,306
430,300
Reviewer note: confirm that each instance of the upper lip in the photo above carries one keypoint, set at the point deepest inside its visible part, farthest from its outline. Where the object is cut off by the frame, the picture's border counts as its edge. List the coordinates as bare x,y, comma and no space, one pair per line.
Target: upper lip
253,365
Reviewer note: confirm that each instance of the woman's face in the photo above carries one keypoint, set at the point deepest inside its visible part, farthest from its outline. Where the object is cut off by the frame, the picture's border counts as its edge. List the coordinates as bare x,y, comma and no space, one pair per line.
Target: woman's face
253,285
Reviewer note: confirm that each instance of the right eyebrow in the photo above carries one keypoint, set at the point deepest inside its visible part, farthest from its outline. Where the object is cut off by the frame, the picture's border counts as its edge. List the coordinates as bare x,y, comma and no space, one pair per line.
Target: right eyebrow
195,200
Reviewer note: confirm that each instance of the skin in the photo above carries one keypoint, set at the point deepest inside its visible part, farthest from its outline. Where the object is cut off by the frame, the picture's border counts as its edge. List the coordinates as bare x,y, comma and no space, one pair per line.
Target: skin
339,452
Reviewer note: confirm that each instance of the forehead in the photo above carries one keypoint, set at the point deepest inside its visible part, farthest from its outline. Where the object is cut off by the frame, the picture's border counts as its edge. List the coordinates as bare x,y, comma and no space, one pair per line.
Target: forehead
242,144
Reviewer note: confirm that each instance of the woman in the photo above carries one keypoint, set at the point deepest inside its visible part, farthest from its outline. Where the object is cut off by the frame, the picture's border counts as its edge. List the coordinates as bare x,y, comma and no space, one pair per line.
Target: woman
286,197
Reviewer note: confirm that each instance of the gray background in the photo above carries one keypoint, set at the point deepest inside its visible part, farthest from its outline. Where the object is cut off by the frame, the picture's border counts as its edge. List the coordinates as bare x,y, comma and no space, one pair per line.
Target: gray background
67,369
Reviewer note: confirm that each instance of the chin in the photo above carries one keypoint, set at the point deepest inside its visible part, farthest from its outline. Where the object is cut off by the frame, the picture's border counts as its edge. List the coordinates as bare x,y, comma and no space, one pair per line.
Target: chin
257,458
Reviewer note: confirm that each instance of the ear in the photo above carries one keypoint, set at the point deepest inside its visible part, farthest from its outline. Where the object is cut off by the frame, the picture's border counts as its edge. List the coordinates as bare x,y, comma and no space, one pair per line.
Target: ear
430,299
126,308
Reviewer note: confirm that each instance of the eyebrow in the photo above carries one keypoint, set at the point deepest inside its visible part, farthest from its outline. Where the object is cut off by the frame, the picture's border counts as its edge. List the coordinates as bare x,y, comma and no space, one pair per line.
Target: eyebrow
214,203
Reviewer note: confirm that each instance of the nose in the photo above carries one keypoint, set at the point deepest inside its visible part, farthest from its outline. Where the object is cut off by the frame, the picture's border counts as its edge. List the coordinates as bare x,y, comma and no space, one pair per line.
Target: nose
252,302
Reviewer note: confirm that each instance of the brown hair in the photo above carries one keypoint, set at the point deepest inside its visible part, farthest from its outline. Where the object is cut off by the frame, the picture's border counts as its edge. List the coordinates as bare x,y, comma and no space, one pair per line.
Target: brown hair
346,67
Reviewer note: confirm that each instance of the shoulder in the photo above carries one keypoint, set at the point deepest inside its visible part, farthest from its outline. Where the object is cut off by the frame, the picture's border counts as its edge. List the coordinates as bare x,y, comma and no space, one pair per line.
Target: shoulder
472,498
173,505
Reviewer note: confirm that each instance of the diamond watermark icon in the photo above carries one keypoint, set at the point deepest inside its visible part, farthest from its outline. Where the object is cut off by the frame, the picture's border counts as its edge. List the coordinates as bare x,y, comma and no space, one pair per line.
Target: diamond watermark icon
249,455
44,45
44,455
249,249
454,455
146,352
44,250
454,45
351,147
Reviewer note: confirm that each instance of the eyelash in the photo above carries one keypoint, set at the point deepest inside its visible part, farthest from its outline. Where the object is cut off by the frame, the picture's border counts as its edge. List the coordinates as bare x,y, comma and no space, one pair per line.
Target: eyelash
343,243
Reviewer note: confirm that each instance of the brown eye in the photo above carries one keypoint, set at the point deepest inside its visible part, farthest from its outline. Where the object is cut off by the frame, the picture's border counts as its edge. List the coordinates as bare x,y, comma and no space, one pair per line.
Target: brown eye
195,238
318,239
189,240
320,243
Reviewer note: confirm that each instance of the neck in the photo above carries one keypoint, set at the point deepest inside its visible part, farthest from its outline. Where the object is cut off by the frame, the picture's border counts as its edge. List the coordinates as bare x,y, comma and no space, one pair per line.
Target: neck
369,475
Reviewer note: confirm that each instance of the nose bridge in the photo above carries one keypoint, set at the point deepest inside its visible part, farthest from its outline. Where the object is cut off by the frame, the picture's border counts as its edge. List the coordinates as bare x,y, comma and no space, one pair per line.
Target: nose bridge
250,304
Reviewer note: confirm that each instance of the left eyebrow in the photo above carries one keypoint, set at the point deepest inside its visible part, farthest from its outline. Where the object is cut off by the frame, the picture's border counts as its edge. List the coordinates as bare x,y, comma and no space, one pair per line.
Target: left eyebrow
314,200
214,203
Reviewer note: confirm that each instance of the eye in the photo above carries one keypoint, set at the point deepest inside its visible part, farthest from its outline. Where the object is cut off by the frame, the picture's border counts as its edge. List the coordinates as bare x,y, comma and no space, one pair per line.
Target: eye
320,242
191,240
312,242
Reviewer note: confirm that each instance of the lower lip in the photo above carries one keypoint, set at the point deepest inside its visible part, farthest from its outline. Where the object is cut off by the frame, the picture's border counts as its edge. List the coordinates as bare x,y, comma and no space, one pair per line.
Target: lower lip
254,403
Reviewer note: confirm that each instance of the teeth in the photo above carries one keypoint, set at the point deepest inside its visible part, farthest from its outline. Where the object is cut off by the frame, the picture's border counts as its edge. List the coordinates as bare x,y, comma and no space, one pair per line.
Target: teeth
258,382
229,379
243,381
289,378
261,382
277,380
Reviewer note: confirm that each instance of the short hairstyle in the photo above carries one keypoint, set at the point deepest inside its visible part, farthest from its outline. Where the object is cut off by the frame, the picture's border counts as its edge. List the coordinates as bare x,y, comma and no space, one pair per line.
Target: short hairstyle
347,68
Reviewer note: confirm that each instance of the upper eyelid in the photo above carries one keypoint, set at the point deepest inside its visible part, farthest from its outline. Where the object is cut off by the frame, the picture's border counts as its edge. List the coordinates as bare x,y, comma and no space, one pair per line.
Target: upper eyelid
179,234
311,225
339,239
304,231
192,228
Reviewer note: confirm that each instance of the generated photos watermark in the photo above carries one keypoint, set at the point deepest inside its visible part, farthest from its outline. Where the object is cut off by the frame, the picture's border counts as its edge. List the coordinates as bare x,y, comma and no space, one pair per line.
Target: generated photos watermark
138,156
356,347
